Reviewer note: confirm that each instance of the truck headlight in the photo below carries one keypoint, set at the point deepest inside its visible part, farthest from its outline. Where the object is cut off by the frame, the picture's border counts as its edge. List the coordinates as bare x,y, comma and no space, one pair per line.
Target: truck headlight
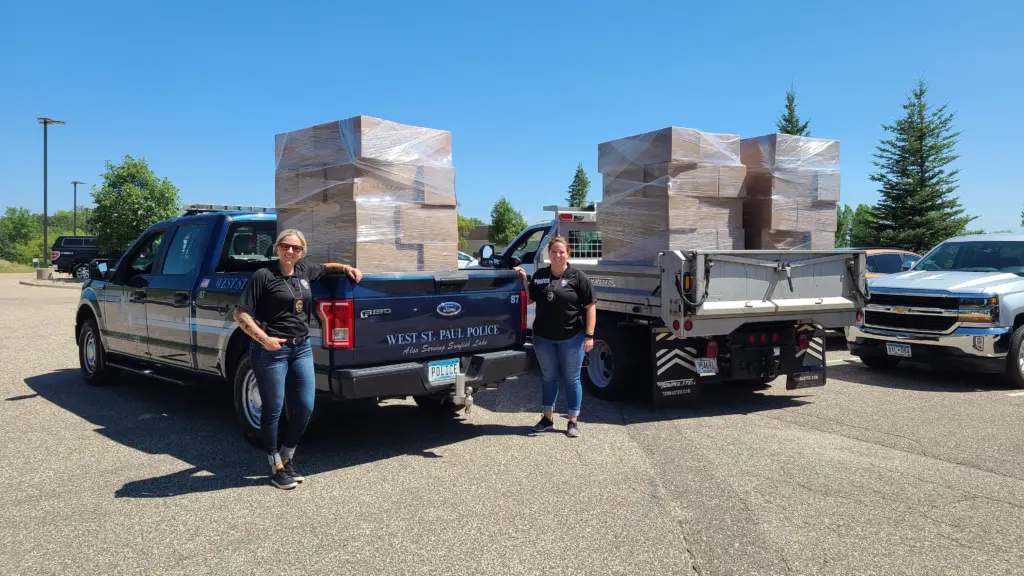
979,310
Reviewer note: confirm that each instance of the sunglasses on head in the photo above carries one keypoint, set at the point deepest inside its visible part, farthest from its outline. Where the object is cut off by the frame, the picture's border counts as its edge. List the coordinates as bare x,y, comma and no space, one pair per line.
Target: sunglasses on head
290,247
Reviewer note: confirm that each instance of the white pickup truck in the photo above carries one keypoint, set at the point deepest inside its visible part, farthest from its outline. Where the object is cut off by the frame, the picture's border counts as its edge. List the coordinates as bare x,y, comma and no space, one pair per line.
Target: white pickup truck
700,317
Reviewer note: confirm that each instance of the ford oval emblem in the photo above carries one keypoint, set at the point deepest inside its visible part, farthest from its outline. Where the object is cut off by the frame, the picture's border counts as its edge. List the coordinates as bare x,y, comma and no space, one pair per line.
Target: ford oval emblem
449,308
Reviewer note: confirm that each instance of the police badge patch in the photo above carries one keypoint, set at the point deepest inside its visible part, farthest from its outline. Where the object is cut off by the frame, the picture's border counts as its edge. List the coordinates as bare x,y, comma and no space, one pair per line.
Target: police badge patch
551,296
305,283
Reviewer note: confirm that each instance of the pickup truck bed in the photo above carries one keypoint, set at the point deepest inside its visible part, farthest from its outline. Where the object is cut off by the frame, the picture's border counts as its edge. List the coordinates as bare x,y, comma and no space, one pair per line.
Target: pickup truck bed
165,310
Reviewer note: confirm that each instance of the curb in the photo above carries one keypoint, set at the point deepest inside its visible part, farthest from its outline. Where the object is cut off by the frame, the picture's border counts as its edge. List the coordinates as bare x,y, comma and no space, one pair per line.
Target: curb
67,286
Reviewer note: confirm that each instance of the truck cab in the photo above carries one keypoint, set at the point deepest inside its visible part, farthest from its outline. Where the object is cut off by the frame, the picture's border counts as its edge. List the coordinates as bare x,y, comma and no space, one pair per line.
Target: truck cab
961,304
165,309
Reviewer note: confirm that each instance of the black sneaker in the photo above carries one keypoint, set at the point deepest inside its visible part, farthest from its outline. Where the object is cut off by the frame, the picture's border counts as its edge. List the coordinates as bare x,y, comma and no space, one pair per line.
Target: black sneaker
544,425
289,467
573,431
283,480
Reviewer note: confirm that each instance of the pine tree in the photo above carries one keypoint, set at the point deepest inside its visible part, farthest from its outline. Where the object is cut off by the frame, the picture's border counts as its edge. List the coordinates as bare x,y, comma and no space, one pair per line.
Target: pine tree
918,209
579,189
789,122
844,218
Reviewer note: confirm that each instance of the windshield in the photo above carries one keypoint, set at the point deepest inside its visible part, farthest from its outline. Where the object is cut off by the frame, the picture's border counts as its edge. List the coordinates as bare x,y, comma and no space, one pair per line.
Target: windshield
976,257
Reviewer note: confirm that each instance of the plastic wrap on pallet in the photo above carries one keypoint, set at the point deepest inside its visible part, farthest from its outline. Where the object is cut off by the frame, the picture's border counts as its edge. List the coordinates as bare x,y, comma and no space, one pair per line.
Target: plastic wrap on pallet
370,192
675,188
791,192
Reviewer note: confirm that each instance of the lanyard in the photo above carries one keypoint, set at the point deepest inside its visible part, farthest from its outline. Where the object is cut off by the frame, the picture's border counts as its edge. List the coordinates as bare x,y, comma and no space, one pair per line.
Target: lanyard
297,306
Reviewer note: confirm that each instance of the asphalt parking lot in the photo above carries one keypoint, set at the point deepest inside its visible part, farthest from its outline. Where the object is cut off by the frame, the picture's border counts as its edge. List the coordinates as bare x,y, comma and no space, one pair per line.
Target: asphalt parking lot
907,472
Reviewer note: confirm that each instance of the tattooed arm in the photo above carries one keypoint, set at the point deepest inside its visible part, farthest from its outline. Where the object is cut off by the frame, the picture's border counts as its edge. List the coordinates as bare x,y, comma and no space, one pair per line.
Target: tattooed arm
249,326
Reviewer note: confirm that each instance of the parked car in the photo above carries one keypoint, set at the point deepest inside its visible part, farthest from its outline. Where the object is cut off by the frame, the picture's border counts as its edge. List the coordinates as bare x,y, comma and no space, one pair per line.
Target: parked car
883,261
164,311
71,255
961,304
465,260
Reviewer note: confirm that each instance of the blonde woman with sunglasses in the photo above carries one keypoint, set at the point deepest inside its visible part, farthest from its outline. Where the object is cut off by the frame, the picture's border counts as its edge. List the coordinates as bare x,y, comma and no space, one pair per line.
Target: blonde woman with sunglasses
274,310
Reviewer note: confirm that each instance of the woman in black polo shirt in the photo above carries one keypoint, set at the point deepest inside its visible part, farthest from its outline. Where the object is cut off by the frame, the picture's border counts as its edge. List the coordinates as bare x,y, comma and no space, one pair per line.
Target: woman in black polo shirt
274,310
563,331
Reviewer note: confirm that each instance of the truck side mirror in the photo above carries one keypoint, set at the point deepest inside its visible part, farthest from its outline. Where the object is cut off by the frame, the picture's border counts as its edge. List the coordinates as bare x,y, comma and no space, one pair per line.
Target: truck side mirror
486,252
97,270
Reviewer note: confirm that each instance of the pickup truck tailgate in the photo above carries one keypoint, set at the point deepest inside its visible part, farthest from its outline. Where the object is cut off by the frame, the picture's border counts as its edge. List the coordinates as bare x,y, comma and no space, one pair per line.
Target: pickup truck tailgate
399,318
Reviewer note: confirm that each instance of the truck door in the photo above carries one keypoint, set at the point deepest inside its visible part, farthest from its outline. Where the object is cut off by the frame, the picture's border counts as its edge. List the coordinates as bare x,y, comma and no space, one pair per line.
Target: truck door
125,305
170,305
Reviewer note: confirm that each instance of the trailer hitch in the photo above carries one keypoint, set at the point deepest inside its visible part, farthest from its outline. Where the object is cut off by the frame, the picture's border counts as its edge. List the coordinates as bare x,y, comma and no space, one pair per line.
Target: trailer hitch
463,395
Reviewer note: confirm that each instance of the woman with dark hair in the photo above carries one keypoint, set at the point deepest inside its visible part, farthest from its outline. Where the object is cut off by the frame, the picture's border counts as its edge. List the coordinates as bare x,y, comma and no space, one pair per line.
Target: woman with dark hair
563,331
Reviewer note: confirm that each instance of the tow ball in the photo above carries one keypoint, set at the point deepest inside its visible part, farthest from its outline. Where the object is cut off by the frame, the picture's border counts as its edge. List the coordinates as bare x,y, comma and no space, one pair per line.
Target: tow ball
463,395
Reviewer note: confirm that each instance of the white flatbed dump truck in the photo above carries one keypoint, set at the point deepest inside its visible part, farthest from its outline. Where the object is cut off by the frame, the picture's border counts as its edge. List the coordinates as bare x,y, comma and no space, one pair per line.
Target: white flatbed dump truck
699,318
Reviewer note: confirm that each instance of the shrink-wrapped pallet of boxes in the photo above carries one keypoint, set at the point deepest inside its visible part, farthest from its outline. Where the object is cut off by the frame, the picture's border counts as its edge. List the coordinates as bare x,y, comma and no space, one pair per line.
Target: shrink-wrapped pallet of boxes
369,192
670,189
792,191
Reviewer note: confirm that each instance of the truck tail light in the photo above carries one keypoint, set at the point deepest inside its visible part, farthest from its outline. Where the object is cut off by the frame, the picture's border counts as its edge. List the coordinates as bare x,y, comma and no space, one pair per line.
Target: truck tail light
337,322
803,342
522,300
712,349
54,255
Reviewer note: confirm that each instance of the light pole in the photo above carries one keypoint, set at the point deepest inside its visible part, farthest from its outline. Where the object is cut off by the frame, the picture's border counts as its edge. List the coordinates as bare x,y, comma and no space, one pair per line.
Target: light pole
75,183
46,240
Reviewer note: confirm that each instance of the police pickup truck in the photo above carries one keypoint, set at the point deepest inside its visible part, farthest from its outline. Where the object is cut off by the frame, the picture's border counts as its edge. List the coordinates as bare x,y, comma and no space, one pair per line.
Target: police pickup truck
164,310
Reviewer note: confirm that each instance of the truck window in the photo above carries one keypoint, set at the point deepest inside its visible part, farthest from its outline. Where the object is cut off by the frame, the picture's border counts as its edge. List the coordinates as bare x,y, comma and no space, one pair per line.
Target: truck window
526,249
90,242
584,244
976,257
247,244
141,262
72,243
186,250
885,263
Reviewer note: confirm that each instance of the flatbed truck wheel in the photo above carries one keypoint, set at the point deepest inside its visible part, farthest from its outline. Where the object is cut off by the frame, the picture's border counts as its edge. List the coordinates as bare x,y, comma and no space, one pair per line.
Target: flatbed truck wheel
1015,359
606,372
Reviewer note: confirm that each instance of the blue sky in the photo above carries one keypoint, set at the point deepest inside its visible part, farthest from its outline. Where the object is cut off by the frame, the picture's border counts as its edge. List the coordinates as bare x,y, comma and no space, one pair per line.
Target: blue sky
528,89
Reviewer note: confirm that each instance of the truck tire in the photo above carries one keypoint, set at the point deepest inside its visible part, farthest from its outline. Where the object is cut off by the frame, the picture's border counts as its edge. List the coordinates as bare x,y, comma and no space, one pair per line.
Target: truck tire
248,404
438,404
80,272
605,373
1015,359
92,357
880,362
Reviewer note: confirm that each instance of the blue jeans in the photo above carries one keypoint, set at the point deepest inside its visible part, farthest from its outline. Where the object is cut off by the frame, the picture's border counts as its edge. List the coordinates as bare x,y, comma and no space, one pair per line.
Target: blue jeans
280,372
560,359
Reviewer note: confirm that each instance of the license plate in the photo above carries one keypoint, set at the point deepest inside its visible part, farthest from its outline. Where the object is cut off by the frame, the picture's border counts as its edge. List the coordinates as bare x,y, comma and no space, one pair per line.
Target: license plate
707,365
442,370
901,350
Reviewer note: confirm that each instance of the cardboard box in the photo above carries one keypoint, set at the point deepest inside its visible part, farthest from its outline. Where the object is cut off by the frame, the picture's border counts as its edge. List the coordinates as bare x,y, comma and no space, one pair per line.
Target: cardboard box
790,240
644,251
426,224
671,144
792,214
361,138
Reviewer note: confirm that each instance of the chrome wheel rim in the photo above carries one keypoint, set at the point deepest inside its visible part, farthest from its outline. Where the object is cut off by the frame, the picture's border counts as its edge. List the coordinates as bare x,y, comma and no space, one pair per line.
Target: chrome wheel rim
1020,359
600,364
89,352
251,400
82,273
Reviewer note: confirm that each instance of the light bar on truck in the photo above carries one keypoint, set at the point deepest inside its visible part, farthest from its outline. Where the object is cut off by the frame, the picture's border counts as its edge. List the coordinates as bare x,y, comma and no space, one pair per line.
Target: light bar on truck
192,209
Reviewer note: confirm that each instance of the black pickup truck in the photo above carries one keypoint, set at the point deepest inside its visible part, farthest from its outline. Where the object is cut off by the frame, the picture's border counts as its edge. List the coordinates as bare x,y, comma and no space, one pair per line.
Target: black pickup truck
165,311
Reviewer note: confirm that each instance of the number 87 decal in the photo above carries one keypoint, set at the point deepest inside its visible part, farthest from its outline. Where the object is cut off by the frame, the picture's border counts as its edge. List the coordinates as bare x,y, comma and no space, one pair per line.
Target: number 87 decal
515,298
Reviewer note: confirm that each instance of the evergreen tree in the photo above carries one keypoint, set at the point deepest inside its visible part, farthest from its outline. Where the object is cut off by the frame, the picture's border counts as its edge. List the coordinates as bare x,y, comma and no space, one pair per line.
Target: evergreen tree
844,218
579,189
918,209
789,122
862,228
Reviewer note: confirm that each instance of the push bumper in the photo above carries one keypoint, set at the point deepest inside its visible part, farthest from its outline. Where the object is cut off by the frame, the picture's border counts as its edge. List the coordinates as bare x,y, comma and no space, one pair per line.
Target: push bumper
979,349
410,378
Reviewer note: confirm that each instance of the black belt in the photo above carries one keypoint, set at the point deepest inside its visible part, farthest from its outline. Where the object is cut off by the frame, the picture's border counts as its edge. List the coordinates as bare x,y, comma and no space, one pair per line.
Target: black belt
298,341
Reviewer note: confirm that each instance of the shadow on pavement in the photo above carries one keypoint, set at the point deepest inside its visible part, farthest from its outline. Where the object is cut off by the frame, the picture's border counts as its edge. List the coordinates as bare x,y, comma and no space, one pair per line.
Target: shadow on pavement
918,377
714,401
197,426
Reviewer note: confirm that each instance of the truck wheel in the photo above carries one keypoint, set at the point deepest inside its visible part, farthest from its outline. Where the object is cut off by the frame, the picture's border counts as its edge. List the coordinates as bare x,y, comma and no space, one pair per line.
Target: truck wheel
91,356
605,372
438,404
248,404
880,362
80,272
1015,359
